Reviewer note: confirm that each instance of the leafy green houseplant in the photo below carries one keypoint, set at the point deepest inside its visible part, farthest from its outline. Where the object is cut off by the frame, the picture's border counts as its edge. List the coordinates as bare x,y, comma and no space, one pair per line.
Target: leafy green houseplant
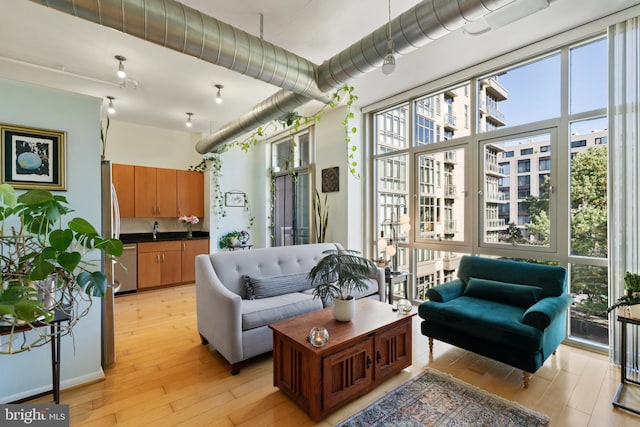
631,293
37,247
339,274
229,240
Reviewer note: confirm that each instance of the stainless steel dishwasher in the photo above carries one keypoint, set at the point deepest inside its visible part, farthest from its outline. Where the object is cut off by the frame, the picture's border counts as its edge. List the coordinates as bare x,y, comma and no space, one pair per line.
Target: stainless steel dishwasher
128,279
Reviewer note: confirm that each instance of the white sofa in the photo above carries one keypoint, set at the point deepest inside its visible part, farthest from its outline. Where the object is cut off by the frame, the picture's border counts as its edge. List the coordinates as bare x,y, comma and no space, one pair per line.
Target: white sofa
237,327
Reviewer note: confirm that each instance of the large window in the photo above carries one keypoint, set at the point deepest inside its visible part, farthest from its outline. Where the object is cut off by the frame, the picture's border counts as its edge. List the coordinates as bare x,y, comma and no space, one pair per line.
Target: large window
538,191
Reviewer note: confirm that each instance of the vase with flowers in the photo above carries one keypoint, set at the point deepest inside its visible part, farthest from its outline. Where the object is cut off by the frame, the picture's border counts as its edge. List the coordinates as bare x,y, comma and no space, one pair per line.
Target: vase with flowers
188,221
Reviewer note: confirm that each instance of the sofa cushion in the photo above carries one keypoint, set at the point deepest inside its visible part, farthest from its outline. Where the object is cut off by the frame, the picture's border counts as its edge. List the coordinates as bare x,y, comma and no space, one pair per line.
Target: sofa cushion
497,323
551,278
523,296
263,311
265,287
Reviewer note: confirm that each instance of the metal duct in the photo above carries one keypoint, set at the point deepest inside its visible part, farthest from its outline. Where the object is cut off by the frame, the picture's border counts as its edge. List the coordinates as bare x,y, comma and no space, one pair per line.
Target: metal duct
171,24
176,26
274,107
426,21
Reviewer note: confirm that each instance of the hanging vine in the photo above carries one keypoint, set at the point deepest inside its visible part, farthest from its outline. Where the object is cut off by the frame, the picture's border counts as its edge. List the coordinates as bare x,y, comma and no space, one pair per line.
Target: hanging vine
293,121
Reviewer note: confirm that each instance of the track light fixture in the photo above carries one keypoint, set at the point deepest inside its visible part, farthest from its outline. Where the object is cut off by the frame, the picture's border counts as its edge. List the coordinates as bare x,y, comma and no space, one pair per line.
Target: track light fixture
121,71
219,94
111,109
189,124
389,63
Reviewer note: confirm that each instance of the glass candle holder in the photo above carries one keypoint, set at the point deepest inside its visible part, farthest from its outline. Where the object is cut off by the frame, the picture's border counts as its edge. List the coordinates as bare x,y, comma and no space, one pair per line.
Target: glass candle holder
318,336
404,306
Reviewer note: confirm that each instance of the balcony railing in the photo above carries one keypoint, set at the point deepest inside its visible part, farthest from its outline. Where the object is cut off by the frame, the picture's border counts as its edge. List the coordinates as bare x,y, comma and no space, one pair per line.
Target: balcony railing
450,263
450,226
494,167
450,121
495,223
450,191
450,156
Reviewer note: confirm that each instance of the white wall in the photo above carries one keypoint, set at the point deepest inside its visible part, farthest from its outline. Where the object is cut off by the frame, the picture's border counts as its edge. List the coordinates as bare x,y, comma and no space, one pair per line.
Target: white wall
79,116
345,206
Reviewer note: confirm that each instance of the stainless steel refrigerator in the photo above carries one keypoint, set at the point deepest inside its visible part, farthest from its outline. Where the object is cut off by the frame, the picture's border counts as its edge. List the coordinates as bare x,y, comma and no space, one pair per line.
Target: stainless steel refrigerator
110,228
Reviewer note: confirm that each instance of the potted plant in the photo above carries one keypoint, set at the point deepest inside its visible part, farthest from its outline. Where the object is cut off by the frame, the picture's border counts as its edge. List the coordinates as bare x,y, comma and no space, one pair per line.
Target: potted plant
36,249
229,240
631,297
339,274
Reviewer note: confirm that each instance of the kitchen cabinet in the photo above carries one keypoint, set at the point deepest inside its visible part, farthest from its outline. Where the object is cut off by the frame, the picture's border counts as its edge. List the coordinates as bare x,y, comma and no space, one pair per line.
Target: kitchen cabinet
159,263
122,177
191,248
190,193
169,262
155,192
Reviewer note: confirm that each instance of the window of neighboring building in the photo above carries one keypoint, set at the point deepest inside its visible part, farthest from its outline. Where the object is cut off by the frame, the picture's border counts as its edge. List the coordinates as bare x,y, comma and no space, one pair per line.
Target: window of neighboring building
524,165
526,151
579,143
507,154
544,163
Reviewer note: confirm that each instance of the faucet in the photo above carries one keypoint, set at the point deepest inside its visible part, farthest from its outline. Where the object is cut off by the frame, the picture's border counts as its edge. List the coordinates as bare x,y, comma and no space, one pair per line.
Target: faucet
156,228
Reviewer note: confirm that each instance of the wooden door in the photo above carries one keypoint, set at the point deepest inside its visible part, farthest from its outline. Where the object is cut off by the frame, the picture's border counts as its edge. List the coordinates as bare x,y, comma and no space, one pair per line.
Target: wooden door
122,177
347,374
166,193
190,193
145,192
393,350
191,248
149,269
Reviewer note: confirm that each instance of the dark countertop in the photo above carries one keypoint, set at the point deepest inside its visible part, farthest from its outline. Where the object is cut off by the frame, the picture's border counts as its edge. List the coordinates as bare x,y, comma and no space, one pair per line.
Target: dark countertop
162,237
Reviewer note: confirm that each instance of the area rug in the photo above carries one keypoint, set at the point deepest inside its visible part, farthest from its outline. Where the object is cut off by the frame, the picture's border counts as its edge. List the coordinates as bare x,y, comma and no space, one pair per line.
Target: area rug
437,399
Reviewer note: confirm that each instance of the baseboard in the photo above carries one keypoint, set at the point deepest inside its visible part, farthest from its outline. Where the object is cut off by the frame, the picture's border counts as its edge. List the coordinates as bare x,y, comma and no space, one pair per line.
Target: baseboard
64,384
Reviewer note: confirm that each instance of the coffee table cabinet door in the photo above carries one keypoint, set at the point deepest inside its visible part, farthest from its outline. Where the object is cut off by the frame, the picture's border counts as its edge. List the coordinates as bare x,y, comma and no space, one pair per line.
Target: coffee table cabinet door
347,374
393,350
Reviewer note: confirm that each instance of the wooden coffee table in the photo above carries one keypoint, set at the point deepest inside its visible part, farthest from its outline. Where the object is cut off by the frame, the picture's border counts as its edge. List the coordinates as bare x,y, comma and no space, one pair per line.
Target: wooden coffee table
359,356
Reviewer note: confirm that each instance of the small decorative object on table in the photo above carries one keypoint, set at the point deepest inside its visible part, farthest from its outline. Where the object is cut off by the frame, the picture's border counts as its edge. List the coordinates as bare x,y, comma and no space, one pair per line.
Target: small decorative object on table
404,306
318,336
188,221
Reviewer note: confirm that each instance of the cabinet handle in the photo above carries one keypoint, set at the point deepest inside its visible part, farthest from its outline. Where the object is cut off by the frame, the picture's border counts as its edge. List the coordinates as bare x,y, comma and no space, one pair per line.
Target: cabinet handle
162,257
368,361
158,210
158,259
378,357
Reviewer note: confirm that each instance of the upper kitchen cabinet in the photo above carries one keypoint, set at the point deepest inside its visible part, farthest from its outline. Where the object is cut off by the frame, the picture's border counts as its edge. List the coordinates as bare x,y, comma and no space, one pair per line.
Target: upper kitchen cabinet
122,177
190,193
155,192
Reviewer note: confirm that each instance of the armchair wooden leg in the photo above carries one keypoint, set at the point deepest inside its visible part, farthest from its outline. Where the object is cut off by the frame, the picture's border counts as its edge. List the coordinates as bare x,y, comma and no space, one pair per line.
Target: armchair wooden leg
525,378
430,345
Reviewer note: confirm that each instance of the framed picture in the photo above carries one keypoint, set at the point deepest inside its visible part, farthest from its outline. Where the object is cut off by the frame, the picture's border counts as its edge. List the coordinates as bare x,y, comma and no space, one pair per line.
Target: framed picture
33,158
234,199
330,180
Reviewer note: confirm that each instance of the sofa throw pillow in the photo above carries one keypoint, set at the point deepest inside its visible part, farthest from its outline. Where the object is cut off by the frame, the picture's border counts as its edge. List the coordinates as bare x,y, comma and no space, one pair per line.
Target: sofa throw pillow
248,287
523,296
265,287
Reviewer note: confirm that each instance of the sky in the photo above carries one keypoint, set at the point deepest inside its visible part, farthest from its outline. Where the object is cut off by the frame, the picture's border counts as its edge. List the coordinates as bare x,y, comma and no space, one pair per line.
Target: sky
534,89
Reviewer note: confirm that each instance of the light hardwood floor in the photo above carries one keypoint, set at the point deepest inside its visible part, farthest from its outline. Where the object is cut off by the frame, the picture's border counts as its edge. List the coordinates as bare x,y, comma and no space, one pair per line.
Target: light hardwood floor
163,376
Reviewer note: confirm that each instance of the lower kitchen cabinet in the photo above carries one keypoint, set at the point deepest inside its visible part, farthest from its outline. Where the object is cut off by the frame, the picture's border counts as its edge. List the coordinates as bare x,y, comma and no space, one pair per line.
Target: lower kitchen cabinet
159,264
191,248
168,262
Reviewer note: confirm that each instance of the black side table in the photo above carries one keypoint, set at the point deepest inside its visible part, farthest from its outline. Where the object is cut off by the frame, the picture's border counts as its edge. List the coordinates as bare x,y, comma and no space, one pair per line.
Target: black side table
394,278
619,401
58,318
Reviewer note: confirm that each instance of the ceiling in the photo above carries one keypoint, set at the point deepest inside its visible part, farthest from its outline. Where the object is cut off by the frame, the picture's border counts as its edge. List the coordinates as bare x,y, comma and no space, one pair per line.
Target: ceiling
42,46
